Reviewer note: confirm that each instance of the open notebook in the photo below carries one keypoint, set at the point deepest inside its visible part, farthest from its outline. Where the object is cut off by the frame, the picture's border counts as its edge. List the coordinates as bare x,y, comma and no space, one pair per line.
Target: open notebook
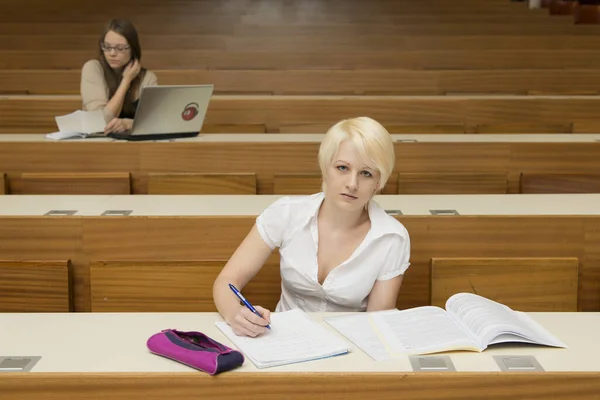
79,124
293,337
470,322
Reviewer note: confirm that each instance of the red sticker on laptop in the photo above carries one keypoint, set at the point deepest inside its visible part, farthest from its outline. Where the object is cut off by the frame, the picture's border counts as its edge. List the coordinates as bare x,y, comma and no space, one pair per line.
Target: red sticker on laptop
190,111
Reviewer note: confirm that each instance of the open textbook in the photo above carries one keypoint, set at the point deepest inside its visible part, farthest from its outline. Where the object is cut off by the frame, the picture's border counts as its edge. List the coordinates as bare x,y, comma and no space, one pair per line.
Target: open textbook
470,322
79,124
294,337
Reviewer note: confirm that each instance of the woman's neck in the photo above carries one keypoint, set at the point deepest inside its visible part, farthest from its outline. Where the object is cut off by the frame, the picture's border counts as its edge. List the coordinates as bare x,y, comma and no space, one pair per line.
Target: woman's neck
340,219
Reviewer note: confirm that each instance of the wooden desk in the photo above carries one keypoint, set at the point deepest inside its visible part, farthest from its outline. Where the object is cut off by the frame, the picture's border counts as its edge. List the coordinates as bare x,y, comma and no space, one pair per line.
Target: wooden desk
99,356
175,227
265,155
279,114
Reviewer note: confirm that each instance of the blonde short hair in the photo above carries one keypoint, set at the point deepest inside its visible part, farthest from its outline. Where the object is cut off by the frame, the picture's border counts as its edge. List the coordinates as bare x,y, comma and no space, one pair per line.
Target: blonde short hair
372,141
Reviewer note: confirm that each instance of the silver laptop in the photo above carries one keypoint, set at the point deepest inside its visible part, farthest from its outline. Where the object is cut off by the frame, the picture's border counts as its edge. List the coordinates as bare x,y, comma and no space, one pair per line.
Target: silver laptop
169,112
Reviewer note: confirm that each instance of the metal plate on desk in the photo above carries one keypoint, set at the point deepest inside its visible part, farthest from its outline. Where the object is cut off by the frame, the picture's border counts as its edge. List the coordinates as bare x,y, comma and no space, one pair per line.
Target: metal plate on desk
394,212
61,212
18,364
117,212
518,364
406,140
432,364
444,212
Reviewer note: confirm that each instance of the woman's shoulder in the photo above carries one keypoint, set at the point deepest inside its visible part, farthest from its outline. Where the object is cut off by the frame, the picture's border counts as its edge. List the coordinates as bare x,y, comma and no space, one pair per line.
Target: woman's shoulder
92,66
150,78
92,71
385,224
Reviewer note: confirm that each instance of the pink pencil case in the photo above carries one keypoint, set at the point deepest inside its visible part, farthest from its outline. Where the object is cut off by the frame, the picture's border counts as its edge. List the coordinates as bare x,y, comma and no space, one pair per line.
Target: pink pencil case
196,350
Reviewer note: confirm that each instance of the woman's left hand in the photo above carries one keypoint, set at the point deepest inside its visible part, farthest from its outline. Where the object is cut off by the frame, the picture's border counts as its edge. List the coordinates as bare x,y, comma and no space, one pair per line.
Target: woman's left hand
118,125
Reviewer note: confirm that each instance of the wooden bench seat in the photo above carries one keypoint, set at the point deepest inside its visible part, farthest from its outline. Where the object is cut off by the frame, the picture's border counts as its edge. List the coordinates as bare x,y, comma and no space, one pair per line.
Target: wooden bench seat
587,14
297,183
170,286
331,59
560,183
314,82
76,183
275,111
176,237
524,284
3,183
34,286
196,183
283,155
452,183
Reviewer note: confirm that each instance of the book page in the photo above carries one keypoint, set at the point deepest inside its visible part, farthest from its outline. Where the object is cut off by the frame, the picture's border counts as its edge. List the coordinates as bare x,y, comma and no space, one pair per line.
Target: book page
422,330
64,135
358,328
70,123
488,320
294,337
93,121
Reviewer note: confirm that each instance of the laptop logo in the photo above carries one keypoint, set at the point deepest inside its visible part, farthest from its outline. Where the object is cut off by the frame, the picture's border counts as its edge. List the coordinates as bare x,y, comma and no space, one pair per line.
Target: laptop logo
190,111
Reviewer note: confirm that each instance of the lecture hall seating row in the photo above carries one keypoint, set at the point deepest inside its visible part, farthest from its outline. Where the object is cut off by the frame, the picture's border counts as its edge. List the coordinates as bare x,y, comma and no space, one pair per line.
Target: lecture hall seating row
268,155
314,114
394,49
174,228
575,81
525,284
582,12
294,184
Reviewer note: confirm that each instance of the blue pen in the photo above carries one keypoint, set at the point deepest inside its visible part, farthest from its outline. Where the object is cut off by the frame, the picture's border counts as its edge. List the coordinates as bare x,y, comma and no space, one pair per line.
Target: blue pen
246,302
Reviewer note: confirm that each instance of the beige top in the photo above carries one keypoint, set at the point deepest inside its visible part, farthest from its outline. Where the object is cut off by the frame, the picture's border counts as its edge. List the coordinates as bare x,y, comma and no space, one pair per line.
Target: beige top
94,91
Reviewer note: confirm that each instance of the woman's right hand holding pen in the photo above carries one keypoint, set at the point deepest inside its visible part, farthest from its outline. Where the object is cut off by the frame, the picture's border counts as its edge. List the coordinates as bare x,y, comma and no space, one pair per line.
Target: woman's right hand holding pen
246,323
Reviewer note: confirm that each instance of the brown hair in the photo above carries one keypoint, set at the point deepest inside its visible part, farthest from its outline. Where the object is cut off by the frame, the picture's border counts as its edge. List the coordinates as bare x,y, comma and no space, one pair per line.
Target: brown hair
112,77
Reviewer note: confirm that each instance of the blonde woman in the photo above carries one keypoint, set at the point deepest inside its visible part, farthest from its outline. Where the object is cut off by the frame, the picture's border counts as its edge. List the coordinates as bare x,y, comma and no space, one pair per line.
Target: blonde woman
339,250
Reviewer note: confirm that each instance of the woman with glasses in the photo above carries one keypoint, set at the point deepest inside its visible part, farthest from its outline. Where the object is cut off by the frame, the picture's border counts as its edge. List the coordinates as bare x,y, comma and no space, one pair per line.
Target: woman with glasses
114,81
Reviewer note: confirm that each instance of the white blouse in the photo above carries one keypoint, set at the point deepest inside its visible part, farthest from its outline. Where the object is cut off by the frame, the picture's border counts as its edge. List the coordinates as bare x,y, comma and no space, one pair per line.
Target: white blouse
290,224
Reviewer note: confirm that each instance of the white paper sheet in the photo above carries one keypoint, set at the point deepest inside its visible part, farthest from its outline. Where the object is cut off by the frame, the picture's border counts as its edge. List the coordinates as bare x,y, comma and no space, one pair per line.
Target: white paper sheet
293,338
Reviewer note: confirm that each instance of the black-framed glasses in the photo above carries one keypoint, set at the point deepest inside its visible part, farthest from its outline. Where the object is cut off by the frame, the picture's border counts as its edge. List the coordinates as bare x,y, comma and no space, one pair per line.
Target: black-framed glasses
119,48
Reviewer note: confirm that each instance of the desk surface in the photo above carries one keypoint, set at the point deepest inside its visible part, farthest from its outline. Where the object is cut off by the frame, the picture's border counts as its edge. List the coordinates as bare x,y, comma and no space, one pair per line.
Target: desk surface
252,205
116,342
315,138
